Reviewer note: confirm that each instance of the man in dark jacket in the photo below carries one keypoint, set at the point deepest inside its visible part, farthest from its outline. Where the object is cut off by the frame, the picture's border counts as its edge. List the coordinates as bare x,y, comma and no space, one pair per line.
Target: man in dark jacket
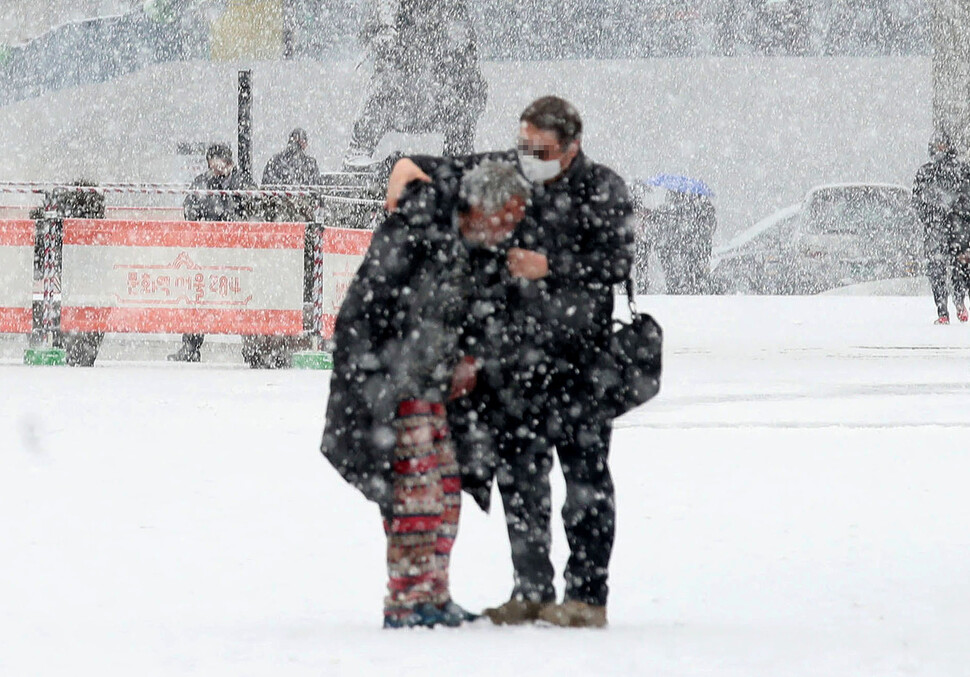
937,187
574,244
221,176
290,167
397,359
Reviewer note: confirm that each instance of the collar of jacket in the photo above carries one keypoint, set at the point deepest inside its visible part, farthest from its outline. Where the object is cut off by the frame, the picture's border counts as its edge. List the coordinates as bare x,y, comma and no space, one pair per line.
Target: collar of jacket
577,169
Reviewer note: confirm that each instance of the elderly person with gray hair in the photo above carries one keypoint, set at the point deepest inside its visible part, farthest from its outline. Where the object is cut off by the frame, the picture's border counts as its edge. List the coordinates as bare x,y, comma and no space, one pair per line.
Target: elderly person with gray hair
400,355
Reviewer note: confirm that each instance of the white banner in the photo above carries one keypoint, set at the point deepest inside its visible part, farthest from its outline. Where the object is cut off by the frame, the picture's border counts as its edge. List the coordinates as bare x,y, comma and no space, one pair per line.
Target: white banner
161,277
16,275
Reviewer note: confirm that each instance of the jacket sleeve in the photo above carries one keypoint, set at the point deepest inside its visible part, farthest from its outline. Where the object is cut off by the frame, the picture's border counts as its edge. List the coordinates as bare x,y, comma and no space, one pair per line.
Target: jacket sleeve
925,203
607,257
271,173
193,208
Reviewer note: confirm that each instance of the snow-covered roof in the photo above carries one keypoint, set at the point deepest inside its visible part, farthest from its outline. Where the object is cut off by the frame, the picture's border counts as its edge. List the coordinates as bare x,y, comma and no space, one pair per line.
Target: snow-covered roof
838,186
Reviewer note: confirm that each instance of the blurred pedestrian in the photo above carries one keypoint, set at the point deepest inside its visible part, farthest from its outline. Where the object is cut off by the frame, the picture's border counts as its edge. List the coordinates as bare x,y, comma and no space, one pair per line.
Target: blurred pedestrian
938,186
291,167
683,229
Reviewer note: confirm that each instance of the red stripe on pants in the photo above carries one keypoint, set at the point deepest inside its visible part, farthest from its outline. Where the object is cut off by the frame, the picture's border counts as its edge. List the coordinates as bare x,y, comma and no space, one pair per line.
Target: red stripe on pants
425,510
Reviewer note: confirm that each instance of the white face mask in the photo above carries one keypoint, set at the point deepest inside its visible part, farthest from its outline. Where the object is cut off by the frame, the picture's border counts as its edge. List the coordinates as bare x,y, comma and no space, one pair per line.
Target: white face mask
536,170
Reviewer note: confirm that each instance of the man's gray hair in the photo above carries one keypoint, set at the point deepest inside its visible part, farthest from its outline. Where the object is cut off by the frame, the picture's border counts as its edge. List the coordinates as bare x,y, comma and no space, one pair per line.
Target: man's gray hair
491,184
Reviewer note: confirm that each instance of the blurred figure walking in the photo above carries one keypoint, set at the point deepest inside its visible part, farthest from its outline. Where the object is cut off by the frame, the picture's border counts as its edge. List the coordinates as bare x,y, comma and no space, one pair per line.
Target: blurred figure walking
938,186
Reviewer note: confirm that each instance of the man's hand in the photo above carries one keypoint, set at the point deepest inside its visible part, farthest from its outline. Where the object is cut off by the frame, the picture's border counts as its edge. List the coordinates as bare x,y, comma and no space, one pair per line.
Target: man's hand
528,264
403,173
464,378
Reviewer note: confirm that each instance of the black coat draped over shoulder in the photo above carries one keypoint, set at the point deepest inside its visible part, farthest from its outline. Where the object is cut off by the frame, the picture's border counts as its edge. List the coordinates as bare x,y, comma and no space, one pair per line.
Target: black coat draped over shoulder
396,335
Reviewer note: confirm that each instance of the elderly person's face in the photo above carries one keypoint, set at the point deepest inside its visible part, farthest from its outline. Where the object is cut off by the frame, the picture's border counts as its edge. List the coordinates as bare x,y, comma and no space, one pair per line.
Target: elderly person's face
488,230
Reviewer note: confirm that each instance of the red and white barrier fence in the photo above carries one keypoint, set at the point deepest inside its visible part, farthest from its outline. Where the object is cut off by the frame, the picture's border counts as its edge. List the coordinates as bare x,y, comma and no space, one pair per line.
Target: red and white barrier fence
16,275
176,276
182,277
342,251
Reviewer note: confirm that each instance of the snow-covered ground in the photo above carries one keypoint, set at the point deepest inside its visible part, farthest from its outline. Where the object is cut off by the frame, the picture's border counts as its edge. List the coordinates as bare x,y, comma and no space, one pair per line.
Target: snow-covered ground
793,503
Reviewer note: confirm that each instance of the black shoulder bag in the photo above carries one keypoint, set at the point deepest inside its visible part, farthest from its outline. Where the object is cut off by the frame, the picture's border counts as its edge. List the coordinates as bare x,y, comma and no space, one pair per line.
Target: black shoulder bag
629,373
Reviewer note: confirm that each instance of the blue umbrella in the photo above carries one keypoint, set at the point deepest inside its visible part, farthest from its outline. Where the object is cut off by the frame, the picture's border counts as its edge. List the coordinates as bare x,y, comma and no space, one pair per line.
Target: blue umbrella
680,184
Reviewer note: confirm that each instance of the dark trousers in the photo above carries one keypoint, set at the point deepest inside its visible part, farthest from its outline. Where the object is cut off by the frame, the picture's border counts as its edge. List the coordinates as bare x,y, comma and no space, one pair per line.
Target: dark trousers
524,437
193,342
939,266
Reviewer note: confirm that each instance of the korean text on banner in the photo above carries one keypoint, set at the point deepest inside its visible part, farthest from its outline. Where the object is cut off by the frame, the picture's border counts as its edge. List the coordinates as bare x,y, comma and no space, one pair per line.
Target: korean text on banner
182,277
16,275
343,252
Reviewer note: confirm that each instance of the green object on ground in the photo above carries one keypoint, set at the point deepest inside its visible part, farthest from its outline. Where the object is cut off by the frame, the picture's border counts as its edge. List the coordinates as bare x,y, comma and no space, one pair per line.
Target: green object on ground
312,359
50,357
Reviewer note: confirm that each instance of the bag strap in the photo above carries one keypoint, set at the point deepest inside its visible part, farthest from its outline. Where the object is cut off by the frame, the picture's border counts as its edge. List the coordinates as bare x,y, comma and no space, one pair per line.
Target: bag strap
629,297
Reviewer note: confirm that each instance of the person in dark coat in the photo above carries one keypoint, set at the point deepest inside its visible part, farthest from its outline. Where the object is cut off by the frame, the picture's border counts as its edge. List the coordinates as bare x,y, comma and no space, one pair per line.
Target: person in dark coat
290,167
222,175
683,228
936,189
573,246
398,357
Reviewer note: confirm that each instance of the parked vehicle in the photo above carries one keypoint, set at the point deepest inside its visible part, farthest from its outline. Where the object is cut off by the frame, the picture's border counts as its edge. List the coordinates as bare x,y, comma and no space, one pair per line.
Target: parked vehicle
837,236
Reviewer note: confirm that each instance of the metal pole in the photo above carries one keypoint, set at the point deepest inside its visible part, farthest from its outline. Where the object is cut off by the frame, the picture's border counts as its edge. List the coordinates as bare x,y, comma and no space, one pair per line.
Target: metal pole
317,289
245,126
50,276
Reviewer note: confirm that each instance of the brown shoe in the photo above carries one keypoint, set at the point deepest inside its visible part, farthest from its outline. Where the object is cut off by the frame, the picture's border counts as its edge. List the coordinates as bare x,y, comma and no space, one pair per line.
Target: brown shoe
515,612
573,614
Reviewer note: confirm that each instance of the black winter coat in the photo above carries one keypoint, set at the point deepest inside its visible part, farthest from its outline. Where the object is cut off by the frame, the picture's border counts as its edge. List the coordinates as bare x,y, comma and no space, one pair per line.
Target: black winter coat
291,167
936,190
396,335
218,207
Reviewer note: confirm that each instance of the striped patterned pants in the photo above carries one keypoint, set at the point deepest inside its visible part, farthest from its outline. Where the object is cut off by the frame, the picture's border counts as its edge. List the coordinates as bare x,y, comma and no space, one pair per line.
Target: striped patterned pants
427,503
